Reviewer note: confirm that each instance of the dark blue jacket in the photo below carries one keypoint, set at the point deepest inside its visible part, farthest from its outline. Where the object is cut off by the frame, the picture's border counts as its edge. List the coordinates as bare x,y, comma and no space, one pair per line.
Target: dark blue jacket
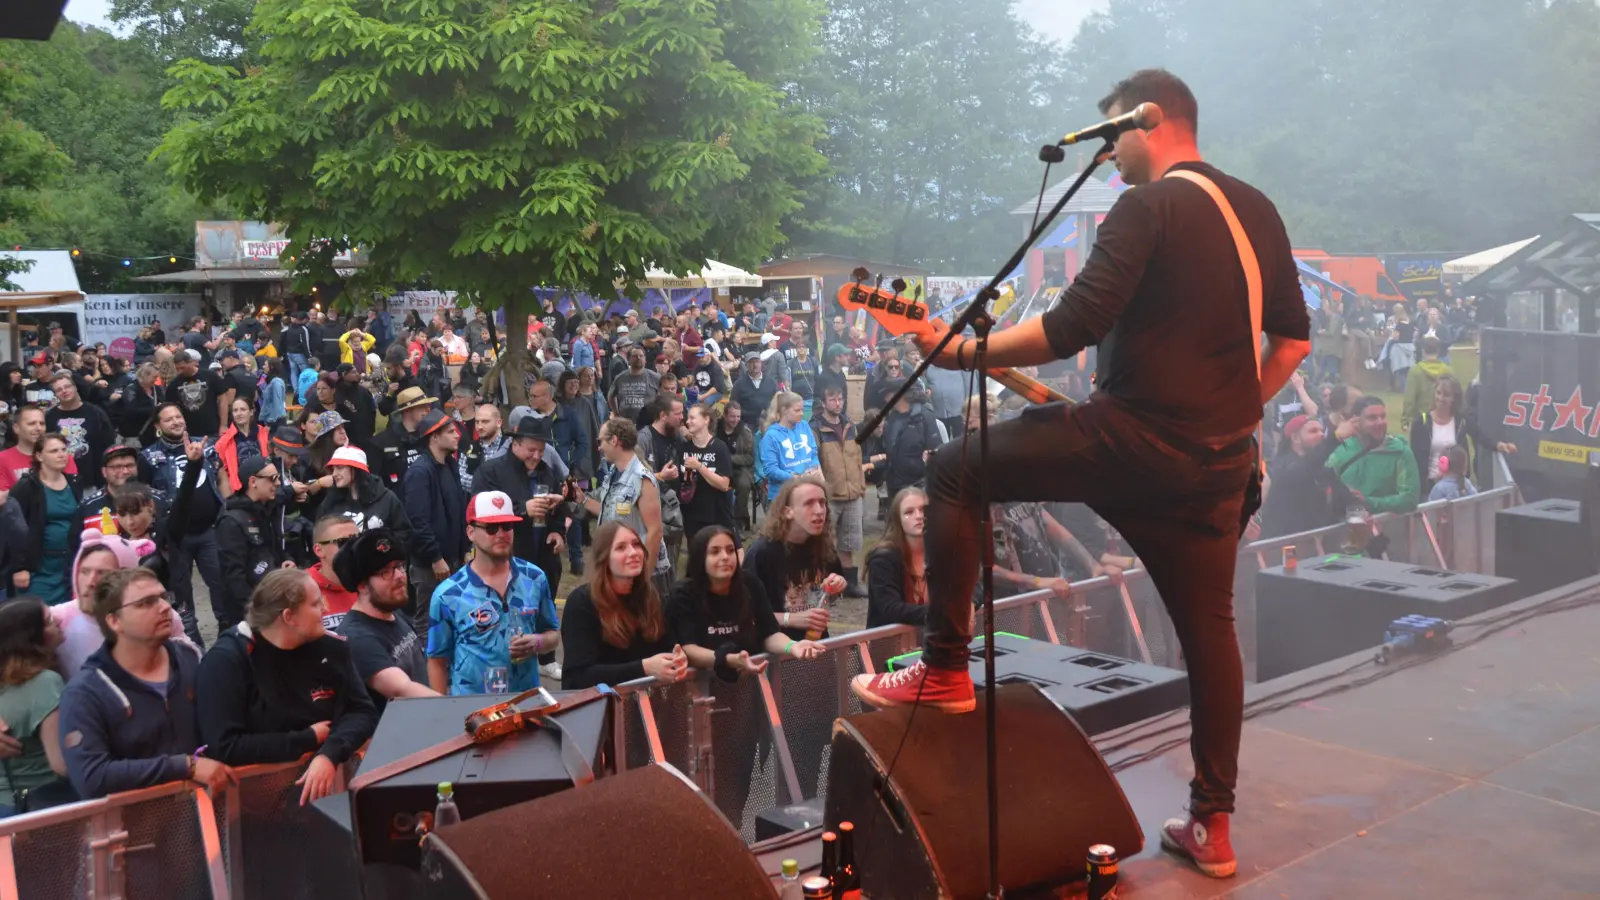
166,463
572,439
437,508
118,734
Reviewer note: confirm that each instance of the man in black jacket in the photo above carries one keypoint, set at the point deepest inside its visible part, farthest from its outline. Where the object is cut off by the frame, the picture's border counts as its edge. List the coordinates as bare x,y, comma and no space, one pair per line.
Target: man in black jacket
437,505
299,341
514,473
249,538
1302,492
399,446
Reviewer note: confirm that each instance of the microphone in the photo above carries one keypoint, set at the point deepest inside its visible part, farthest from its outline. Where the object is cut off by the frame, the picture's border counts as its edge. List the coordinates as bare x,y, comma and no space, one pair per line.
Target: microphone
1144,117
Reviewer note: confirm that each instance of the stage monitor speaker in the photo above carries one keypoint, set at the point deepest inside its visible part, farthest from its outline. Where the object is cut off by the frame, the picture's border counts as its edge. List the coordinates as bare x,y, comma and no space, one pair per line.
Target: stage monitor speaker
30,20
486,777
1545,545
922,830
1333,606
644,833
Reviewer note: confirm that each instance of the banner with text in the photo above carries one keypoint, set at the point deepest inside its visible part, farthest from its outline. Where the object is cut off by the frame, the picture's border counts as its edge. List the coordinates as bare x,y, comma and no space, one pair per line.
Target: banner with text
1540,390
110,317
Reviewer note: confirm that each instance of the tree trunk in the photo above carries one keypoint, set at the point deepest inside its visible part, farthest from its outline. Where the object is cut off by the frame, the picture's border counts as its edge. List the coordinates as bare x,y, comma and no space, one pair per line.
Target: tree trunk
506,382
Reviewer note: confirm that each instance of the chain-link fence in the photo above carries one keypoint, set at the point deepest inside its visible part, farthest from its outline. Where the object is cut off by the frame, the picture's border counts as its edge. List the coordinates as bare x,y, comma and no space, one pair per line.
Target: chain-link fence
752,744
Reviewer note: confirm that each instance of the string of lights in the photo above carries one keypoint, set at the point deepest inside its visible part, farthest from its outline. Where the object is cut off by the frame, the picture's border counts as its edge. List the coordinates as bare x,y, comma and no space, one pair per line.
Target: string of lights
125,259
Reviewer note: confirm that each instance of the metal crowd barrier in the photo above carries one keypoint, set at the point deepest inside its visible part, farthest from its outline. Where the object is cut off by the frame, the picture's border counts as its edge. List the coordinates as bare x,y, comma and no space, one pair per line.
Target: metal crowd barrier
753,744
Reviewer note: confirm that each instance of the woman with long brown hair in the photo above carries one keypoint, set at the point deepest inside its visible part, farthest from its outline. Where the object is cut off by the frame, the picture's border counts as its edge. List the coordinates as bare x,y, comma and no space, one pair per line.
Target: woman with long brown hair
1441,427
30,692
897,587
614,628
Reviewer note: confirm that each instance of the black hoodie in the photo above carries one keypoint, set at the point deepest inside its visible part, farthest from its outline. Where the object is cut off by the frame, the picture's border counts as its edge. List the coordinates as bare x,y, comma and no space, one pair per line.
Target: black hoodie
374,506
257,702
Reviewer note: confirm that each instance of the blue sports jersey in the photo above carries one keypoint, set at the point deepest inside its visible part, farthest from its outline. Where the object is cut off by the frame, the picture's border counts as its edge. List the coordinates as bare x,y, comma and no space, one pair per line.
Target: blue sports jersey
469,627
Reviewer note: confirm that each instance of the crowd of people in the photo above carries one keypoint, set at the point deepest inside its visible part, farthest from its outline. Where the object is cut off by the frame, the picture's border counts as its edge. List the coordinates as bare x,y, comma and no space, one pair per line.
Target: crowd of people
1334,456
698,475
371,525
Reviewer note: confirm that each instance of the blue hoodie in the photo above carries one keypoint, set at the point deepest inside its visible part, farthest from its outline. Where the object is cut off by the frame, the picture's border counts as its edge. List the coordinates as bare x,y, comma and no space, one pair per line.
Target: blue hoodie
118,733
787,452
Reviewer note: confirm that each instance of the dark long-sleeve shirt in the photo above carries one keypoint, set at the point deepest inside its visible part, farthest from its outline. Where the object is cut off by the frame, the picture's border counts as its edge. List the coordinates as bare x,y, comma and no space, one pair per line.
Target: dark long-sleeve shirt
257,702
589,660
886,592
1163,295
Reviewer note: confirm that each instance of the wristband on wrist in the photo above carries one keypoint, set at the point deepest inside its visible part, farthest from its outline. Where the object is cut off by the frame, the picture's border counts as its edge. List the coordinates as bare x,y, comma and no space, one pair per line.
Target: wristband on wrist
788,647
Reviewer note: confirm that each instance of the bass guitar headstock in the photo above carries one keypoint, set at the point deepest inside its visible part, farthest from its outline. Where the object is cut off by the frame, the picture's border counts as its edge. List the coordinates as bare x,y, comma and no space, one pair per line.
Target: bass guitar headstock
890,307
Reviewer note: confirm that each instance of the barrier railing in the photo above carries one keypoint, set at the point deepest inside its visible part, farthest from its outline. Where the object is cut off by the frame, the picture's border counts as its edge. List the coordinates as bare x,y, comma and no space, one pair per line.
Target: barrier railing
751,744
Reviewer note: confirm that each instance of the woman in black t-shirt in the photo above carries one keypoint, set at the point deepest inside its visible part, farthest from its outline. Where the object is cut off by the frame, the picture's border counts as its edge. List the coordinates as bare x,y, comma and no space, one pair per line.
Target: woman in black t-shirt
614,629
707,476
721,616
720,613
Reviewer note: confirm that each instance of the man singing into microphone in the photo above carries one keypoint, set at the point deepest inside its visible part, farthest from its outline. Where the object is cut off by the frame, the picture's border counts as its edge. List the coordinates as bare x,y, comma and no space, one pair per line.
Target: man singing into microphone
1163,450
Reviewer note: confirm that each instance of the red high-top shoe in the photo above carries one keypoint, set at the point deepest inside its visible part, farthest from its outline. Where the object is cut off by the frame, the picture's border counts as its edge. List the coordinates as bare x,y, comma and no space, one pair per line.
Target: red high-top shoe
947,690
1204,841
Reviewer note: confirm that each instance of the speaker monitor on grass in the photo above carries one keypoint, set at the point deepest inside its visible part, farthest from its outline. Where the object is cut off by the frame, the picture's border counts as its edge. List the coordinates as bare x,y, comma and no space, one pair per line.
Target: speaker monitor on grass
922,831
644,833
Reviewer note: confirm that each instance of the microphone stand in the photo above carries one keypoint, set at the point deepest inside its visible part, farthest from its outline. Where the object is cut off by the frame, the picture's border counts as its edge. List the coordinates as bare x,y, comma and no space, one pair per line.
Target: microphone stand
977,317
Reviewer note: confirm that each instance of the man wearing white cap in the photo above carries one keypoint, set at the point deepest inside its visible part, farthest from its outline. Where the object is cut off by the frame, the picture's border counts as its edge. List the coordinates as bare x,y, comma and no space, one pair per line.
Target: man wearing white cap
490,620
358,495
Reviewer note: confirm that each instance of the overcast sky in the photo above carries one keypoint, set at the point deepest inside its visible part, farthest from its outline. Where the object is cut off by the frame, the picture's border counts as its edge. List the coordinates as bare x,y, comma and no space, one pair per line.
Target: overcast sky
1057,19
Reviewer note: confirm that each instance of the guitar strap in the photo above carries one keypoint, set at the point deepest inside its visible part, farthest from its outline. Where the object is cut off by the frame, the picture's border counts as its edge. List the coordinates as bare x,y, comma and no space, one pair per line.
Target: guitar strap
1247,259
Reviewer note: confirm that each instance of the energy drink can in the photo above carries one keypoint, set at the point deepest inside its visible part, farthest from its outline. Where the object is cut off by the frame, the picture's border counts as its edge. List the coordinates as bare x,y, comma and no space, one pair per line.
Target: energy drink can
817,888
1102,872
1290,562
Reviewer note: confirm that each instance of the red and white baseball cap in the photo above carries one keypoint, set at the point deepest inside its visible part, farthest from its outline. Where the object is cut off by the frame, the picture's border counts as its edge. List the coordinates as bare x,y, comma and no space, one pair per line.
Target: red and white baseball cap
491,506
354,457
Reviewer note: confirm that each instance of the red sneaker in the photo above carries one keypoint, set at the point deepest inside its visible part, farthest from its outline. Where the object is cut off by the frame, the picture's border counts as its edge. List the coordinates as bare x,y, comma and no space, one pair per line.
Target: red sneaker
947,690
1204,841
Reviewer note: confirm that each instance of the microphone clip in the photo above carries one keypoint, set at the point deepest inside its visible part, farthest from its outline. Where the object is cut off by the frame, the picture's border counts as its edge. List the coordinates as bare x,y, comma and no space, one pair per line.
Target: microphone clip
1052,153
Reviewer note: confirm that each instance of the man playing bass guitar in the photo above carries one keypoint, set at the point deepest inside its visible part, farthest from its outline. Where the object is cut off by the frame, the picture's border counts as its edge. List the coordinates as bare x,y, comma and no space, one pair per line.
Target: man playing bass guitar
1163,450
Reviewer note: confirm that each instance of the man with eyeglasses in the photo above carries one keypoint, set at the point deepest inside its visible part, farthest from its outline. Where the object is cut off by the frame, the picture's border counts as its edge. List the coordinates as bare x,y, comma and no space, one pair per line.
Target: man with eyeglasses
383,643
249,537
490,620
128,718
328,538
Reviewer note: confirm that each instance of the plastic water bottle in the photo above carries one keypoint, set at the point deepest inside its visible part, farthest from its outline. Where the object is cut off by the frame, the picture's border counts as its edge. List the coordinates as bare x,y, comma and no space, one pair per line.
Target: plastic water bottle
789,884
446,813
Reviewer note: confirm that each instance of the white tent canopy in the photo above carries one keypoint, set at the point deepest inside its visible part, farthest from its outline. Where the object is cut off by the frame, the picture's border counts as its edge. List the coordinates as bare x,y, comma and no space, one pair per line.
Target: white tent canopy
1476,264
51,281
714,275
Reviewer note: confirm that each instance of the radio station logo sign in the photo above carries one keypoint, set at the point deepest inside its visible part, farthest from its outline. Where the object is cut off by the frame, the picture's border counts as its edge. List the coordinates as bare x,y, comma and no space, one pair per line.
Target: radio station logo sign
1567,419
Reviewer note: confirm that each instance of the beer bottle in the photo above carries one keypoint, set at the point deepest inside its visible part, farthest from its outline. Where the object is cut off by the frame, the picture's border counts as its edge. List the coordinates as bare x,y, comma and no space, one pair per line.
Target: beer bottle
830,857
847,881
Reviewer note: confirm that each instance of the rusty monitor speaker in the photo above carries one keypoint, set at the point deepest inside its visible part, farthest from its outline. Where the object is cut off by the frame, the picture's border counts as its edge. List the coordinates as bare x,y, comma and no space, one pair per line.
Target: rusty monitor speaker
644,833
921,829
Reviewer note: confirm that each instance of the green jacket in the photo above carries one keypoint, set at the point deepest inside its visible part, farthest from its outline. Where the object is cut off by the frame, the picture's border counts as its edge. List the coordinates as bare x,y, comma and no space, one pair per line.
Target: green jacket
1419,389
1386,477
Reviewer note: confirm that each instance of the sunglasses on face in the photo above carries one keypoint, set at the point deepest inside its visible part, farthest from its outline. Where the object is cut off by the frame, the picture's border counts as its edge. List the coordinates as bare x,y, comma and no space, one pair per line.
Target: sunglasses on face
338,541
496,527
274,477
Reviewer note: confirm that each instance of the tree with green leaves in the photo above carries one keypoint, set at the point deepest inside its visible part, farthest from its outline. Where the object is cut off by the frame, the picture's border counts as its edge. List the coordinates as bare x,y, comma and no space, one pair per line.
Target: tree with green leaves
171,30
489,146
28,164
97,99
1447,125
934,109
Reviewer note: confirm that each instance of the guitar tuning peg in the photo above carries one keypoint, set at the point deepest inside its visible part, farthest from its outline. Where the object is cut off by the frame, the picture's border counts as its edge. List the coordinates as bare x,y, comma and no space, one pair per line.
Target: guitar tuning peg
916,292
899,285
860,273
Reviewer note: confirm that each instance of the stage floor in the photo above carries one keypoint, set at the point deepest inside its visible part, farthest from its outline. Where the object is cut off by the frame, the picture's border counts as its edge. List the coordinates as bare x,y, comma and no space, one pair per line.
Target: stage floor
1475,774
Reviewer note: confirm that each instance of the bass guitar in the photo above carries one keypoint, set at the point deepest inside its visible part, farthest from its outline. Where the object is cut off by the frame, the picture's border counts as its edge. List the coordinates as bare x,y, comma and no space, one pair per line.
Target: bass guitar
900,315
